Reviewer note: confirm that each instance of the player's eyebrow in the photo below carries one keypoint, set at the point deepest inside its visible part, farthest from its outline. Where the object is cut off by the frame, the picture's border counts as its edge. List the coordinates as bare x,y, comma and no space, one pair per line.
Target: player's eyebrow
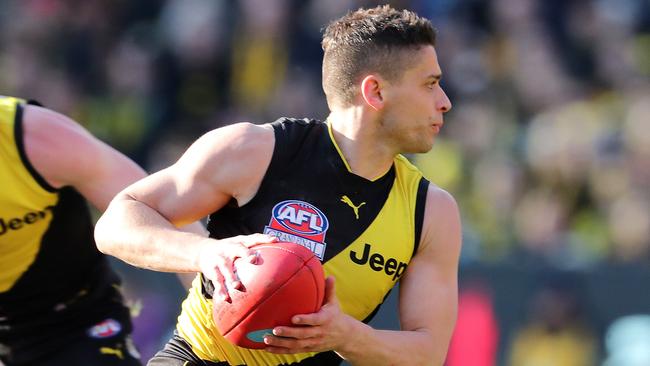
435,77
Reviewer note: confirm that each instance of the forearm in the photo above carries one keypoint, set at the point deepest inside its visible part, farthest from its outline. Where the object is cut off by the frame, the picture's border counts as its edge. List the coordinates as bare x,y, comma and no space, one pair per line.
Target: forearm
140,236
368,346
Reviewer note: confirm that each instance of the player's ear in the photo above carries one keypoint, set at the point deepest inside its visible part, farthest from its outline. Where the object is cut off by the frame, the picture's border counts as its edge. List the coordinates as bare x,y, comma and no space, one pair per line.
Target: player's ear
371,91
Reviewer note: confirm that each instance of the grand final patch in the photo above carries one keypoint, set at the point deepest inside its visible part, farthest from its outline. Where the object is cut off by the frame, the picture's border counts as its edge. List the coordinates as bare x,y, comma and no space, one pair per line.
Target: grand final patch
301,223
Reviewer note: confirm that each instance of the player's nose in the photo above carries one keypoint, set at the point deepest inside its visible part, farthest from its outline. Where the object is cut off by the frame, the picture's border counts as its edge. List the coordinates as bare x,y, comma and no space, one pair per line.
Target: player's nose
443,103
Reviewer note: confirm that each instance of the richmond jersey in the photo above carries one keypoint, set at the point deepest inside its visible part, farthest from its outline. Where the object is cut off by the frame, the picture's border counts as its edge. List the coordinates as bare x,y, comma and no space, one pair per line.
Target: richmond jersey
364,232
53,281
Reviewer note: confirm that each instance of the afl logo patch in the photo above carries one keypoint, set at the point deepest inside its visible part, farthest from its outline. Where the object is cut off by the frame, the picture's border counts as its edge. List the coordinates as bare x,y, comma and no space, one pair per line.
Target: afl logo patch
301,223
105,329
300,217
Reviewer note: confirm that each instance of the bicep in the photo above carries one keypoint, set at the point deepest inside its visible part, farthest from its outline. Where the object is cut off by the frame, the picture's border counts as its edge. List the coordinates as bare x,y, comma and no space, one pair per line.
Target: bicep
429,289
223,164
177,194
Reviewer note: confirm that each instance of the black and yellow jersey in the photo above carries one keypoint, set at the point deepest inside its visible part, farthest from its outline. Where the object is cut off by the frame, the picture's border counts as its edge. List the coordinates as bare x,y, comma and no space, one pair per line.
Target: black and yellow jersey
364,231
53,281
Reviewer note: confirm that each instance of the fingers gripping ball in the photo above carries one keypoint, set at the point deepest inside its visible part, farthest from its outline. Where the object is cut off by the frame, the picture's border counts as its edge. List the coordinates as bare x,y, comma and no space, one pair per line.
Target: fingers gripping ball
288,279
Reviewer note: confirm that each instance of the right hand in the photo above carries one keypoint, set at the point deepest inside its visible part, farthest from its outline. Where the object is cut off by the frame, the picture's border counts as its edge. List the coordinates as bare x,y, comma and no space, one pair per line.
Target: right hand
217,257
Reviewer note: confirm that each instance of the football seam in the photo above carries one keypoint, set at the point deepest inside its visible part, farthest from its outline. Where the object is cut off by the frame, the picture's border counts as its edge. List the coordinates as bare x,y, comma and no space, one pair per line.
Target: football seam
313,277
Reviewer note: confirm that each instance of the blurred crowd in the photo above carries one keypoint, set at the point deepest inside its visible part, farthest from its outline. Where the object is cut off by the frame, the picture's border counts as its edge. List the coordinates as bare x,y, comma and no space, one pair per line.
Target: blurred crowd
547,148
550,100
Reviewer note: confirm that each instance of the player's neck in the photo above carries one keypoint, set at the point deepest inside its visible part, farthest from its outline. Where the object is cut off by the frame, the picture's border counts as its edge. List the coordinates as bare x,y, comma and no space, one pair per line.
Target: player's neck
359,143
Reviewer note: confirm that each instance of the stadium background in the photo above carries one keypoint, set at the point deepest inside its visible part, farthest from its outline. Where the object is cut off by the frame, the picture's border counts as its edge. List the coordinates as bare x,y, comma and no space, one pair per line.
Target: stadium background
547,148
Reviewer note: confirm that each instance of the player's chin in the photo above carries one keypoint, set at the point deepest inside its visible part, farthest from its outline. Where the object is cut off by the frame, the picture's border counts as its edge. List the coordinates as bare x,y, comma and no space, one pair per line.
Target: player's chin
420,147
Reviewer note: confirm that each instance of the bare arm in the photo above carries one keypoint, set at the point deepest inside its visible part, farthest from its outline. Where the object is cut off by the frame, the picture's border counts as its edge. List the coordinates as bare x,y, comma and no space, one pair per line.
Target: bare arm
428,295
428,304
141,224
65,154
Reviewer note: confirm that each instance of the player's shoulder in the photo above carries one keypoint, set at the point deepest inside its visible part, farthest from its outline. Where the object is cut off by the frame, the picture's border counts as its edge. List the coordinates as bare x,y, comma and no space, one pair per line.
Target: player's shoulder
441,226
440,200
52,130
295,131
79,154
441,209
290,126
250,140
297,122
240,129
236,136
246,129
241,143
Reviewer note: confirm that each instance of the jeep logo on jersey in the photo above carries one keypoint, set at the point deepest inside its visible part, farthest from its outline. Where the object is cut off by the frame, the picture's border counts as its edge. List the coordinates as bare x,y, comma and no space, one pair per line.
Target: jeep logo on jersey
17,223
301,223
378,263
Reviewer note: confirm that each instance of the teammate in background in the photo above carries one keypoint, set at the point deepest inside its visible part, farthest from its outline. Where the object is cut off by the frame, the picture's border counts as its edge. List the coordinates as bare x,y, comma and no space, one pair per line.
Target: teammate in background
60,302
340,188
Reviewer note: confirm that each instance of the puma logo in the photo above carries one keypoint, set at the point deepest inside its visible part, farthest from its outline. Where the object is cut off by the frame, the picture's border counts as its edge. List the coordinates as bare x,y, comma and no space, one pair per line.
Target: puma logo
348,201
112,351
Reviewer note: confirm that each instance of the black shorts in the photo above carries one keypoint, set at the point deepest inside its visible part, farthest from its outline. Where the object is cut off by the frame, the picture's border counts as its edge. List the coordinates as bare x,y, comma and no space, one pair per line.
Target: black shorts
91,350
178,352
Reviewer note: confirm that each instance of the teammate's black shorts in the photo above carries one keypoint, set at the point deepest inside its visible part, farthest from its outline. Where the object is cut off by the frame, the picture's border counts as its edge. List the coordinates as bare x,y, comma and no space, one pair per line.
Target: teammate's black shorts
115,350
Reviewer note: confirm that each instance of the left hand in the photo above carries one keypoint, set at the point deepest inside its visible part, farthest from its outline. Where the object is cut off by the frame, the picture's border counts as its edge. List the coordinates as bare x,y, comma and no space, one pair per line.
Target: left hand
324,330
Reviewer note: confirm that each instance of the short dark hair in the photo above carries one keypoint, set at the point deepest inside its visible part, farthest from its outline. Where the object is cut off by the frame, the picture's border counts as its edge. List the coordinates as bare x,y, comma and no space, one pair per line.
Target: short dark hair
370,40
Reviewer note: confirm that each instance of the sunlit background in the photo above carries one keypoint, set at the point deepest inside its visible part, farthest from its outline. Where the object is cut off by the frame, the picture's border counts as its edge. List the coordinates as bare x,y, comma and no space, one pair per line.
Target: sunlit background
547,148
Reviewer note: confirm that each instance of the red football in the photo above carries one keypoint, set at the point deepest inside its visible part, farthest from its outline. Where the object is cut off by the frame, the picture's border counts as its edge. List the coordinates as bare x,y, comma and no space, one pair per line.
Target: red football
288,279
